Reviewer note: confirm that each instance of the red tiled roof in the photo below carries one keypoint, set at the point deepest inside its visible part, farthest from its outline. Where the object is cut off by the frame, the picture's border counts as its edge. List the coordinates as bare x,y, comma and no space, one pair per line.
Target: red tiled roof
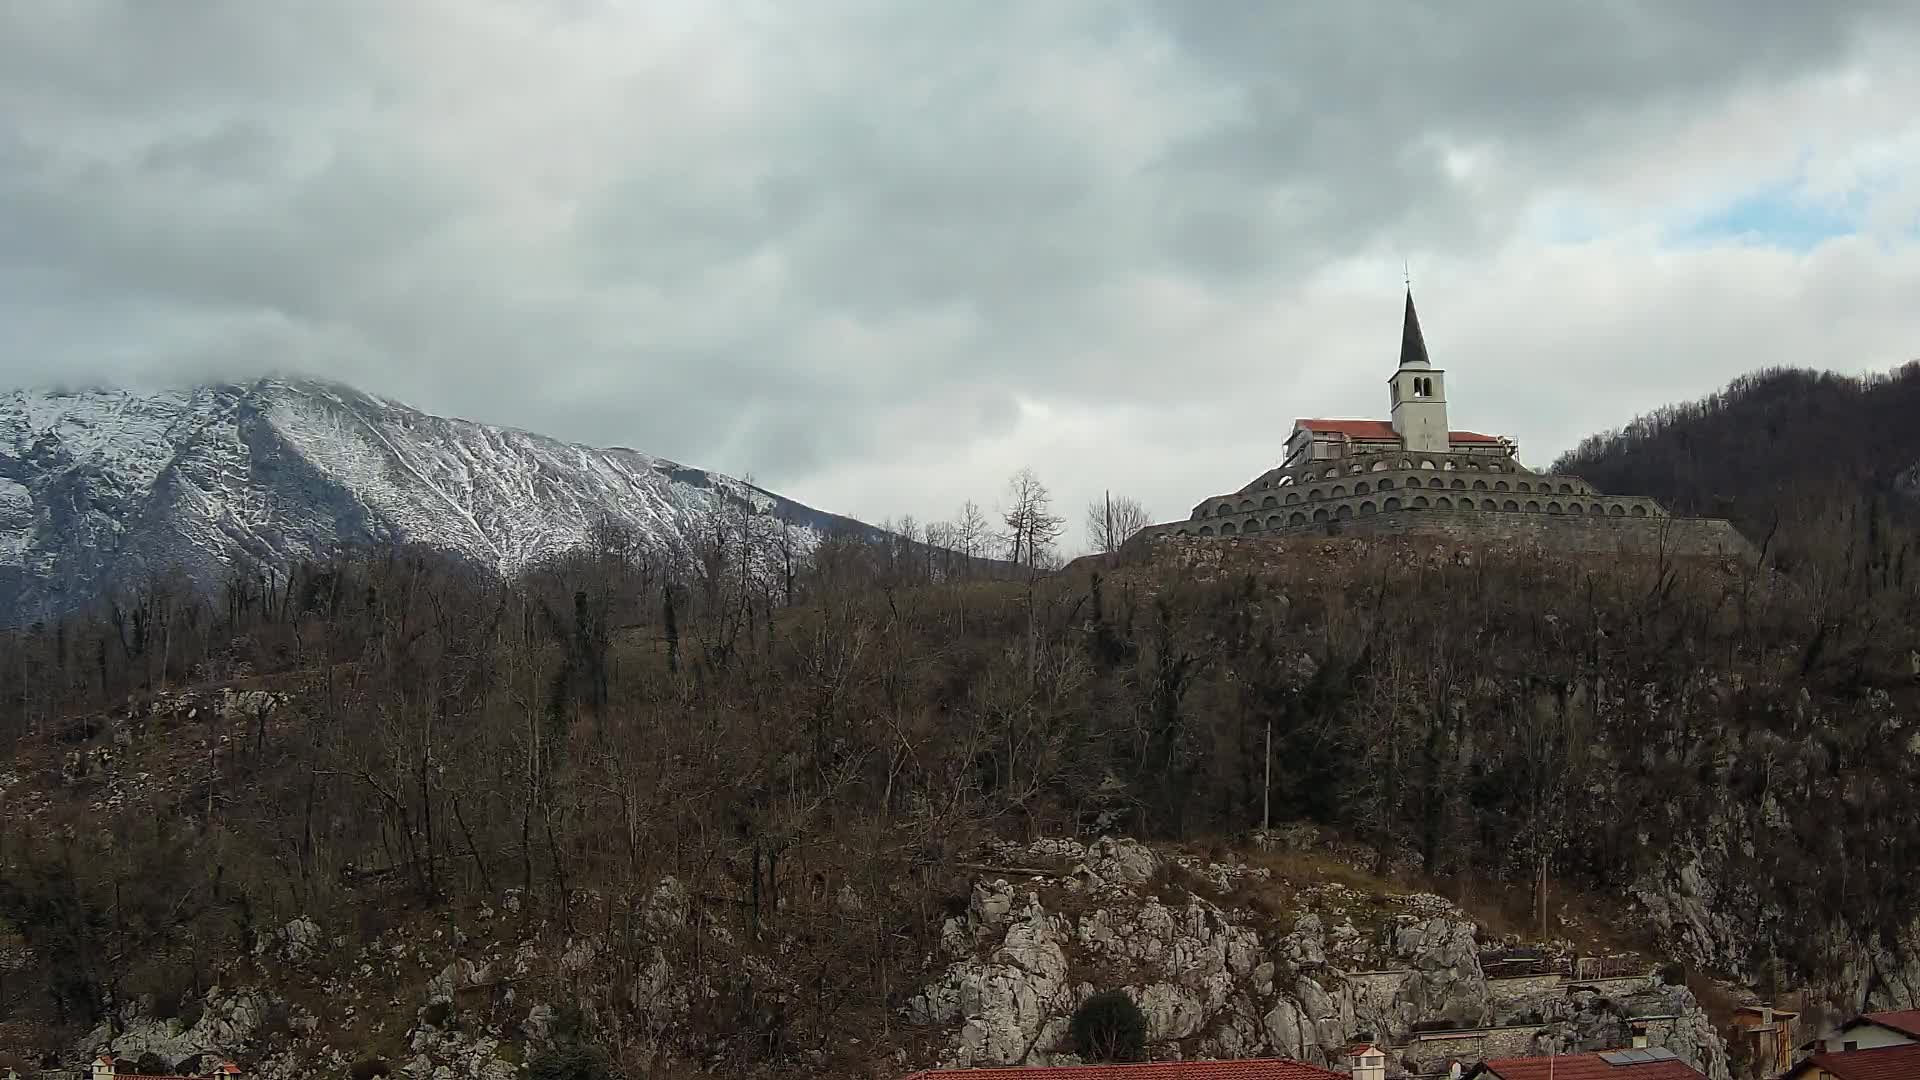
1905,1021
1382,430
1879,1063
1253,1069
1587,1067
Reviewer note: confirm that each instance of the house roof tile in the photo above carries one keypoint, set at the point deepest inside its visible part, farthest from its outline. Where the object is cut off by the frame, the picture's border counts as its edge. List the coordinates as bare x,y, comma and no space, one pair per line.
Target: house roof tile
1905,1021
1381,430
1252,1069
1880,1063
1587,1067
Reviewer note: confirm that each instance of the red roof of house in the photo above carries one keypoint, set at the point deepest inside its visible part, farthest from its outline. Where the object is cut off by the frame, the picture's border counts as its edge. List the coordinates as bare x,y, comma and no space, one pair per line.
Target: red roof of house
1587,1067
1382,430
1252,1069
1879,1063
1905,1021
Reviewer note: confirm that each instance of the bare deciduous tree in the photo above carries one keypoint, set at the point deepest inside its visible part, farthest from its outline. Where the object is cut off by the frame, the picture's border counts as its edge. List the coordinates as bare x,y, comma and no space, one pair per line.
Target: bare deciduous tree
1032,526
1112,520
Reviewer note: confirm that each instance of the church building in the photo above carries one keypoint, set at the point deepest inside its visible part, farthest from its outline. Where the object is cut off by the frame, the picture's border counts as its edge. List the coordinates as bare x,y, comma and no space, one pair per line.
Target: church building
1414,473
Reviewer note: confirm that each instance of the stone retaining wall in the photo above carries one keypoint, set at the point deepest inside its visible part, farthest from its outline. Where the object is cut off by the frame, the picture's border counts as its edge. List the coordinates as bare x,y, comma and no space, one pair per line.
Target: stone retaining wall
1590,535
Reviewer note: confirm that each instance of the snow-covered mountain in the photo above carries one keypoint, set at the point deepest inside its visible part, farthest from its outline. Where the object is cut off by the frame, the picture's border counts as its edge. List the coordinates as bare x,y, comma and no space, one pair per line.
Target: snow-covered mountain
101,488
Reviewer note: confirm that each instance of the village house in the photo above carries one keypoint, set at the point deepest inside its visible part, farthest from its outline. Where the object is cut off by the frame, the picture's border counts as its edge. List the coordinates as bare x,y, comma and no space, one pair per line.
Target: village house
1764,1036
1652,1063
1870,1031
107,1067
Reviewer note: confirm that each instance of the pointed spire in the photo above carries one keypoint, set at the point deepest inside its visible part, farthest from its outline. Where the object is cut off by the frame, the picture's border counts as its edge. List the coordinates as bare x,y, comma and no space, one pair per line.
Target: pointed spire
1413,345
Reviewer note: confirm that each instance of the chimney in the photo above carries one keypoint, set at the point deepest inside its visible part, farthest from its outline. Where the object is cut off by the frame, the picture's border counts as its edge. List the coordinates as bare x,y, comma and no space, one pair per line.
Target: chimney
1368,1062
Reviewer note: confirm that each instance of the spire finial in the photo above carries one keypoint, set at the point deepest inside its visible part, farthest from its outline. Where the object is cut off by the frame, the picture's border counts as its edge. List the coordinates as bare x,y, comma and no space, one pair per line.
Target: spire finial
1407,265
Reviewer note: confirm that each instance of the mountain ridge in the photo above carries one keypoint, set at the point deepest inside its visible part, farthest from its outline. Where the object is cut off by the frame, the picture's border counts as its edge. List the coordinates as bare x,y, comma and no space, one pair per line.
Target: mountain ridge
104,487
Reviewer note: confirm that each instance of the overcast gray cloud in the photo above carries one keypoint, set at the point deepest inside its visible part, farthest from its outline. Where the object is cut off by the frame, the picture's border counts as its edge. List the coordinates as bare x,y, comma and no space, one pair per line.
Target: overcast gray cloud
878,255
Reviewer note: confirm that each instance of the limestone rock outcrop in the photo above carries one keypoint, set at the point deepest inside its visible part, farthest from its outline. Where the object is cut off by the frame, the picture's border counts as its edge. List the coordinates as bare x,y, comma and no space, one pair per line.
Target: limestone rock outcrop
1216,980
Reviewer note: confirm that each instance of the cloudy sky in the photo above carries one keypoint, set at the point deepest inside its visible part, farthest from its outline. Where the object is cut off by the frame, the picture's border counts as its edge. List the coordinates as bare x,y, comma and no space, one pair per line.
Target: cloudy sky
878,255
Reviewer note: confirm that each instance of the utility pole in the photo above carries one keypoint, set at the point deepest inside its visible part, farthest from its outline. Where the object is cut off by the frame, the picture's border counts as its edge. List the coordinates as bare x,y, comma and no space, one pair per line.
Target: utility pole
1266,784
1540,898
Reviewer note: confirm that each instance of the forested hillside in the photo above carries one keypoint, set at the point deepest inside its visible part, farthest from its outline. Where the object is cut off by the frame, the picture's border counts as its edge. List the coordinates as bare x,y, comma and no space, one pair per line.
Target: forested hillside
1780,452
389,744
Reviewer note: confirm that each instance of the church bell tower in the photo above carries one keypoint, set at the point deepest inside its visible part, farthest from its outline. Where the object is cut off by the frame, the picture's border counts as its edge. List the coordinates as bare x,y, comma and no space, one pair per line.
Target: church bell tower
1419,392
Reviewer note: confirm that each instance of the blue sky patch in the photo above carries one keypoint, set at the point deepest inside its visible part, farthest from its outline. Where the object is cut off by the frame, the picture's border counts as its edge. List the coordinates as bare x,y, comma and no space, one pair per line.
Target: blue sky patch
1772,217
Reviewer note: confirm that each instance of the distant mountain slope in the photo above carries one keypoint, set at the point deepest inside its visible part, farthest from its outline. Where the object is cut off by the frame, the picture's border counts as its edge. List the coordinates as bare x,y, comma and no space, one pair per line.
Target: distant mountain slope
1783,444
103,487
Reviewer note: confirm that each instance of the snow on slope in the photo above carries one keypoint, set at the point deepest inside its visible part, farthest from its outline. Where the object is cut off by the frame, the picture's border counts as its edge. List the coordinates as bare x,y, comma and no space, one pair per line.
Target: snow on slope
102,488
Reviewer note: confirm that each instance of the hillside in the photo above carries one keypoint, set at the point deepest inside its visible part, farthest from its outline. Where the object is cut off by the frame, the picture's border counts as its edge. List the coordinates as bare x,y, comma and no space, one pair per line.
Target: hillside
103,490
453,821
1786,449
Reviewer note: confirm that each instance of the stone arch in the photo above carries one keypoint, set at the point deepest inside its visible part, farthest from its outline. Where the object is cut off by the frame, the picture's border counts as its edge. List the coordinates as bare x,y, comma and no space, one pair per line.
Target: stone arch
1576,508
1355,469
1443,503
1345,512
1489,504
1509,505
1367,508
1274,522
1500,485
1491,467
1566,489
1426,463
1380,466
1320,514
1292,497
1406,463
1206,530
1269,502
1330,474
1225,508
1596,508
1360,488
1533,506
1639,511
1555,507
1386,483
1448,465
1227,528
1464,504
1420,502
1391,505
1283,481
1339,491
1315,494
1479,485
1296,518
1246,504
1522,485
1616,510
1459,484
1179,532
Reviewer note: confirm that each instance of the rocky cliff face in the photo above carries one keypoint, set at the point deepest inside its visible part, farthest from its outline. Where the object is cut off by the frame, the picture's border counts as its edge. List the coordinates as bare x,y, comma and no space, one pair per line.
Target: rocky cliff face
1224,959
